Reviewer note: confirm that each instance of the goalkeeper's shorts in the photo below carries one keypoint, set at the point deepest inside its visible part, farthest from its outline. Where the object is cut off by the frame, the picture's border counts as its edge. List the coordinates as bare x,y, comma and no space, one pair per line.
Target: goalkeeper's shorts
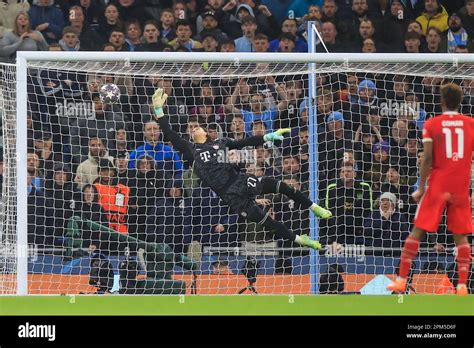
240,195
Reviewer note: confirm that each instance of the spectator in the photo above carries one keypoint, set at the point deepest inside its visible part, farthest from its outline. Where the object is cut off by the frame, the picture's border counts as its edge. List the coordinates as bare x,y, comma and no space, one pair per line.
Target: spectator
113,197
237,128
385,228
260,43
228,46
103,123
332,145
367,31
88,171
367,103
314,14
467,106
127,177
150,183
48,155
299,8
183,37
395,26
264,18
91,41
368,46
209,43
434,15
132,9
349,200
151,34
33,169
375,170
290,26
412,42
329,34
133,36
257,111
109,21
168,22
396,183
117,39
92,11
457,35
166,157
210,26
249,27
461,49
180,10
398,139
174,218
467,15
88,208
48,19
70,40
120,143
8,12
287,43
360,12
21,38
434,41
63,196
40,217
329,11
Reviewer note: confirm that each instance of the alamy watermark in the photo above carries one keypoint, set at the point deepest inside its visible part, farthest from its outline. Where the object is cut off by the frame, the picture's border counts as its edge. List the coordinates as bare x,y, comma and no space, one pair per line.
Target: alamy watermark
83,109
28,330
346,250
392,108
244,156
11,251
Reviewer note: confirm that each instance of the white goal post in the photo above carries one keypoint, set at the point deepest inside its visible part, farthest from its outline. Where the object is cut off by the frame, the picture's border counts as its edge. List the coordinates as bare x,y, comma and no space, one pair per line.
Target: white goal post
130,63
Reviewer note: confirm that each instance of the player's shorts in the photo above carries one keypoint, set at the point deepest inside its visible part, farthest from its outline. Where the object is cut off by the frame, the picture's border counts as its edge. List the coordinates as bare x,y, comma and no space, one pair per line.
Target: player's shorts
458,209
241,193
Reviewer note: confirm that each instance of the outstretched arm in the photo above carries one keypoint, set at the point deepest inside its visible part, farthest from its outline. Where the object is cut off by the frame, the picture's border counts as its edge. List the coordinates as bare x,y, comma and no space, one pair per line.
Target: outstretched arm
258,140
182,145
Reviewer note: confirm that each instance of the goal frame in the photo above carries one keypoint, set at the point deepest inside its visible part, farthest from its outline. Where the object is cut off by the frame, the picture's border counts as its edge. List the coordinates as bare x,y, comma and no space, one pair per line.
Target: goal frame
312,59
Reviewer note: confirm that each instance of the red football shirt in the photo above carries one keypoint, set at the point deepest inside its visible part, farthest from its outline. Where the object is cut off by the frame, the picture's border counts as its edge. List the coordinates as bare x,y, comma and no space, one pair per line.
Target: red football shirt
452,135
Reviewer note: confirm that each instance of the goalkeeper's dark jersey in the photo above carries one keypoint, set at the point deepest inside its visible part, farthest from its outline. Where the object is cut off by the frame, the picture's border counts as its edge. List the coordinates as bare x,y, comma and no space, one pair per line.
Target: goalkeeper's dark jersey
210,160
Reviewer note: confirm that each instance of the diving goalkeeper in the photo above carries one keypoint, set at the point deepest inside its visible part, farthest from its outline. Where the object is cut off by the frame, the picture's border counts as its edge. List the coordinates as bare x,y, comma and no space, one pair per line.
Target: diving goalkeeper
236,189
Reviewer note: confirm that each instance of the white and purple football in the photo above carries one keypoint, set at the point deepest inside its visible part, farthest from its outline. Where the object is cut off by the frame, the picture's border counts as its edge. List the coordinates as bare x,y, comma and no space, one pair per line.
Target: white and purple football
109,93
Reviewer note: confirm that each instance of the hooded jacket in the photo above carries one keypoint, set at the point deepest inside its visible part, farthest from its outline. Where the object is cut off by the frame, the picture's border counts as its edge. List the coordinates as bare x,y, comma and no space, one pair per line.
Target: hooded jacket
88,171
47,14
439,20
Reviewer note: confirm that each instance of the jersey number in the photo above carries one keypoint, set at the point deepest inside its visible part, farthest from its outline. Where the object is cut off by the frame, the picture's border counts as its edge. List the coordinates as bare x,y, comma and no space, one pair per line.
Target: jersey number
448,133
252,182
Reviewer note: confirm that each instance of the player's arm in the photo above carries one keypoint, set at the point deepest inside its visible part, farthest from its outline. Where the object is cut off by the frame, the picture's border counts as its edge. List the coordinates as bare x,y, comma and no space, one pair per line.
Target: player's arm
425,168
257,140
182,145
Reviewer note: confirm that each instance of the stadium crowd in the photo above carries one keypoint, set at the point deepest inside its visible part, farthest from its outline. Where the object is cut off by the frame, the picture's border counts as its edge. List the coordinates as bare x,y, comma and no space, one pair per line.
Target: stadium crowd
110,164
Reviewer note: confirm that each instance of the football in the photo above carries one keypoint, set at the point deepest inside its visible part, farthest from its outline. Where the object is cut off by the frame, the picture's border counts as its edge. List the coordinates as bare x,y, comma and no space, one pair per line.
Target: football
109,93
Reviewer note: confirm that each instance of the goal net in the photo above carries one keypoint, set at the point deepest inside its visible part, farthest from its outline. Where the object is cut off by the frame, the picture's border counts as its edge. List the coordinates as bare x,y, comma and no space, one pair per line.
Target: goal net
111,205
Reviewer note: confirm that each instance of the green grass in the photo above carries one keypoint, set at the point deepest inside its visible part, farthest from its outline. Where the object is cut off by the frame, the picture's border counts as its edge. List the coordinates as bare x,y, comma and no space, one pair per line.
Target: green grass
237,305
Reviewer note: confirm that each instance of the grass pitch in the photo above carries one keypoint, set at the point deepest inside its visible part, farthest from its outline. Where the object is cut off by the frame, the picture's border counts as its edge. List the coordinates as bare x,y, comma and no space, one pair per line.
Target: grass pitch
238,305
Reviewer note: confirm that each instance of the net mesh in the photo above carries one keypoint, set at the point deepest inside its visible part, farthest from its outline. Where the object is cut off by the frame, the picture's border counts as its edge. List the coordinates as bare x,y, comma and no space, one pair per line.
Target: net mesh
8,172
148,224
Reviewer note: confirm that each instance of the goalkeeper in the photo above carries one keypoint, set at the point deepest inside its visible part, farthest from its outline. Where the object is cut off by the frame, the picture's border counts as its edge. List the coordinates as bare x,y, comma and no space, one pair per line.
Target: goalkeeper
235,188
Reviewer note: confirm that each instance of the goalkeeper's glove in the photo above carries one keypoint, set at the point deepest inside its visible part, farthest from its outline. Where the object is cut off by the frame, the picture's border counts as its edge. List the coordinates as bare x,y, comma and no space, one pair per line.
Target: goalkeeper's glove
277,135
159,99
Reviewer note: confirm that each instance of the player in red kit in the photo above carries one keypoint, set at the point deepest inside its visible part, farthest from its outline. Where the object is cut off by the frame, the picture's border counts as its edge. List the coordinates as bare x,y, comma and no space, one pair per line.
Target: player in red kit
448,142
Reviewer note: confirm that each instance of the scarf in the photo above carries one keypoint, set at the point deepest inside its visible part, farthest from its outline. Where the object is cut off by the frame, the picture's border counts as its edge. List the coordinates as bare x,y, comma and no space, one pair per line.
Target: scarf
455,40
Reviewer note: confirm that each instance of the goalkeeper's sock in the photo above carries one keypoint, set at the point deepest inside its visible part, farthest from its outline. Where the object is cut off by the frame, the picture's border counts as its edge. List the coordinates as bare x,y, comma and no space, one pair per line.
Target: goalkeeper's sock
296,195
410,250
463,259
